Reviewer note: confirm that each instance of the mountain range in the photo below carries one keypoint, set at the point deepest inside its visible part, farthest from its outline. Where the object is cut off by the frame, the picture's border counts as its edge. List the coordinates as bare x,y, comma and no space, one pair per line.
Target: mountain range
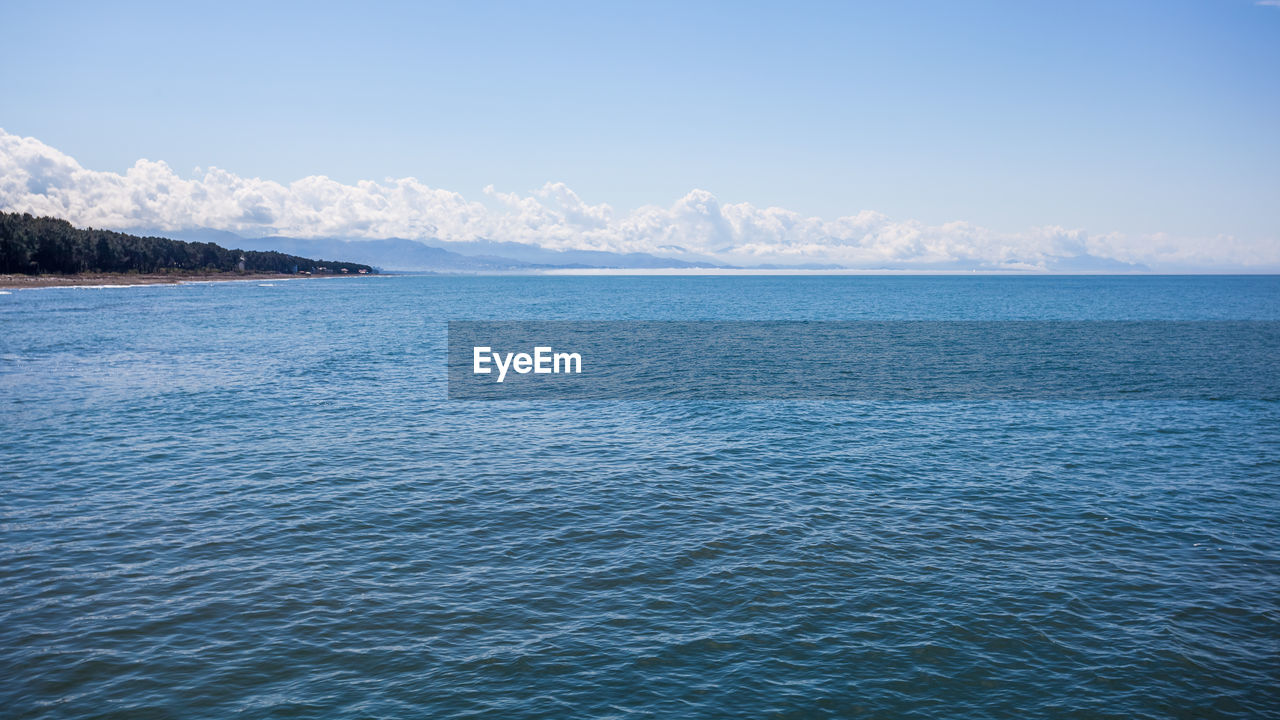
404,255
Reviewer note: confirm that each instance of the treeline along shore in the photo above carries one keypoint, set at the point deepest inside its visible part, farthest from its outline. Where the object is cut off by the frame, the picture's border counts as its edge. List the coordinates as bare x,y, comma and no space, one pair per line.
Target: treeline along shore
44,246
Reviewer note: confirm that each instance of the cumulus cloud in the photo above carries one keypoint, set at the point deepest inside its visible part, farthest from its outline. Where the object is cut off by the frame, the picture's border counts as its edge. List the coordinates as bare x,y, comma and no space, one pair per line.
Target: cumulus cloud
39,179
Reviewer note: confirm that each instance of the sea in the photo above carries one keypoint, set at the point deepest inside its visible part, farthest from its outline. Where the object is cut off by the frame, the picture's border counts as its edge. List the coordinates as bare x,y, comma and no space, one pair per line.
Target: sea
258,500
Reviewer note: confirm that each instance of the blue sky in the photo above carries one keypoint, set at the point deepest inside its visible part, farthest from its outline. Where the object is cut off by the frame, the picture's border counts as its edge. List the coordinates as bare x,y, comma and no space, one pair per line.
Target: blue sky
1113,117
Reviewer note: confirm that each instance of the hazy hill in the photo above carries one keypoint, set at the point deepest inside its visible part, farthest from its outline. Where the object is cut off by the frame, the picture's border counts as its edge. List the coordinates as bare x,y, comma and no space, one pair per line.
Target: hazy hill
412,255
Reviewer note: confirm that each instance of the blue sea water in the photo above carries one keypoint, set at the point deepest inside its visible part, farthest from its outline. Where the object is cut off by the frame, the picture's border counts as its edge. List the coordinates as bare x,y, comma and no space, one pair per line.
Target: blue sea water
255,500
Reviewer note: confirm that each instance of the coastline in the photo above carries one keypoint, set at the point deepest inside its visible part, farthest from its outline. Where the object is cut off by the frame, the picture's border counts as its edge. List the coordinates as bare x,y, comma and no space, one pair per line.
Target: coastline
18,282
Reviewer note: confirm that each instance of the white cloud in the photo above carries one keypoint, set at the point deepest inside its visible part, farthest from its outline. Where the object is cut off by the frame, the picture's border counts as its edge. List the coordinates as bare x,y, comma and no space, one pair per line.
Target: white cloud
41,180
1268,3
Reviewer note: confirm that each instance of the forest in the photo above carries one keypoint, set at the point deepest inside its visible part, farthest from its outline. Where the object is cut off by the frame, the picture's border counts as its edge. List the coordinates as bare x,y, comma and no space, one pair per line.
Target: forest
43,245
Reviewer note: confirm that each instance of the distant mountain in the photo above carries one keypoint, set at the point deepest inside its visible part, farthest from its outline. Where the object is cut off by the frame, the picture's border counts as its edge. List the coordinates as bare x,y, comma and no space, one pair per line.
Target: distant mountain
393,254
573,258
1095,264
399,254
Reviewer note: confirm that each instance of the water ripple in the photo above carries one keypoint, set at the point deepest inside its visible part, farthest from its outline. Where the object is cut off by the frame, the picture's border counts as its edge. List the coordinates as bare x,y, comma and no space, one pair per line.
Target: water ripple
236,501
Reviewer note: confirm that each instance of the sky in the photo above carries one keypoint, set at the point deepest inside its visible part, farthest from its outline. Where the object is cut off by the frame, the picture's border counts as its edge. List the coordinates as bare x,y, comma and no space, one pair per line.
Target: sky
999,132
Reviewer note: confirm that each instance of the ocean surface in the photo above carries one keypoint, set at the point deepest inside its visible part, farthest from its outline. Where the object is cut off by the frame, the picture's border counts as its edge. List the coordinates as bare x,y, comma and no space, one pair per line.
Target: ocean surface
256,500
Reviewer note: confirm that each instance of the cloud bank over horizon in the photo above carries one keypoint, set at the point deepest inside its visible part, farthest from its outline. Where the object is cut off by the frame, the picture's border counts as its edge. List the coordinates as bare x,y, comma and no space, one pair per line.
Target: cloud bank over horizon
41,180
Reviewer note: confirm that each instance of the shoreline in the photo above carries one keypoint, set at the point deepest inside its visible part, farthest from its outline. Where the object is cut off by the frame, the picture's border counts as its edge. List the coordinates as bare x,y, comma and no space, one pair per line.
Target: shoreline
19,282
